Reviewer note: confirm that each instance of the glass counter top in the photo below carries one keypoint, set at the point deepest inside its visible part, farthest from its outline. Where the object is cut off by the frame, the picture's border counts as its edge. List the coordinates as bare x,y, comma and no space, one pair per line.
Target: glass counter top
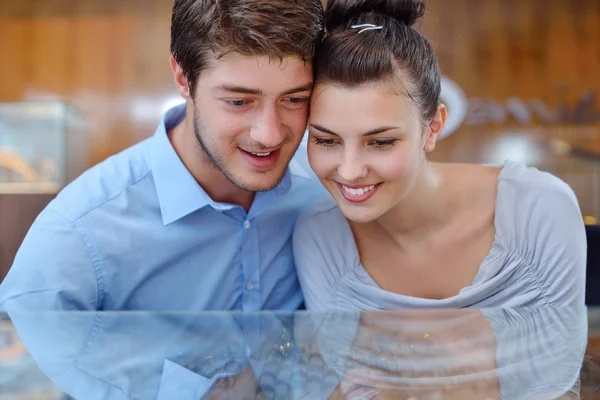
432,354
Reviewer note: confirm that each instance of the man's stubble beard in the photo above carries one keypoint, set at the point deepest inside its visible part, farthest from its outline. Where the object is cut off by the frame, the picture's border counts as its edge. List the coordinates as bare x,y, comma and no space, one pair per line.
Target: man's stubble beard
218,162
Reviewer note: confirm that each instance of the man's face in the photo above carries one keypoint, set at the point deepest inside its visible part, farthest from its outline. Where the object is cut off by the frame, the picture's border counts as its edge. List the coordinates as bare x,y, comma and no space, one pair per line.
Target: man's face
250,114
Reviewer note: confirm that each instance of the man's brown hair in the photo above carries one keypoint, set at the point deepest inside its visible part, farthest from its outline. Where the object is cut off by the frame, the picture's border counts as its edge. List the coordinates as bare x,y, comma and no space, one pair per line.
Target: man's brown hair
202,29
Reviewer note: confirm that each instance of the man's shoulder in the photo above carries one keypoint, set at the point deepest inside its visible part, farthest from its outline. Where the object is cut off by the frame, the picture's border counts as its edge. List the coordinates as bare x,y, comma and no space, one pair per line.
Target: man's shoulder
104,182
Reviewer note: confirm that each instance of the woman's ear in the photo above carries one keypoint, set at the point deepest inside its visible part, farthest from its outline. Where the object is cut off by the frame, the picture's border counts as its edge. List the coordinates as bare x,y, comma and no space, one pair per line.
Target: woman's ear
434,129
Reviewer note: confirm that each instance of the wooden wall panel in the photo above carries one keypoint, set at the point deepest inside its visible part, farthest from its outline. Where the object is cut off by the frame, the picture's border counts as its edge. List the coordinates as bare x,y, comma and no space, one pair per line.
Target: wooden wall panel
109,59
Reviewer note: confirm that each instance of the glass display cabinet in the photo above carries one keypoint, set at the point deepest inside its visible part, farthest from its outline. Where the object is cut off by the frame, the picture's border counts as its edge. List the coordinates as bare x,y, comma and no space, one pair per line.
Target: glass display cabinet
41,145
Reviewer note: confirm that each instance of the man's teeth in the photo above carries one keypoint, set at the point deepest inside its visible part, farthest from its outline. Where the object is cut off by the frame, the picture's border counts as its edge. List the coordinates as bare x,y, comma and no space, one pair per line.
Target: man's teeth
358,192
262,154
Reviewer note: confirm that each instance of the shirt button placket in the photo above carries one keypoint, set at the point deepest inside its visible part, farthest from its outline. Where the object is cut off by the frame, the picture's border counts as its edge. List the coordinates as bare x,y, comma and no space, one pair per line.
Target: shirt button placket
250,262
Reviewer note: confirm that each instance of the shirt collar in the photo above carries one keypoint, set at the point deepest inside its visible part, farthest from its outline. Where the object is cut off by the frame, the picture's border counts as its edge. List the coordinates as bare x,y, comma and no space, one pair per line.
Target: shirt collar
178,192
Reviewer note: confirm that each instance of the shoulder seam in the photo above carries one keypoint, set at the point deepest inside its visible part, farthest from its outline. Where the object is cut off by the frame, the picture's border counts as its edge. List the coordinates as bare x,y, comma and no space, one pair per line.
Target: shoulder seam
559,187
99,290
562,189
106,200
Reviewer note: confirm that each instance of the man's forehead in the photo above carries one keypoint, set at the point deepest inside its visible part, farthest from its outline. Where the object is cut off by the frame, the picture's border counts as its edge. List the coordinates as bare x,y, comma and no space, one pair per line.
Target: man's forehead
235,72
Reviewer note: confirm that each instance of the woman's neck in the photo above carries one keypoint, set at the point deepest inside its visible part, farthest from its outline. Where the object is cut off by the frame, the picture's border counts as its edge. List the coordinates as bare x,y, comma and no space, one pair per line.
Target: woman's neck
429,206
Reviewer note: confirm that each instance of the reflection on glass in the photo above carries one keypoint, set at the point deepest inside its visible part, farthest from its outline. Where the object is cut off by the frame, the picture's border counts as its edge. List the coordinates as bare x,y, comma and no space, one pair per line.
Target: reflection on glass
435,354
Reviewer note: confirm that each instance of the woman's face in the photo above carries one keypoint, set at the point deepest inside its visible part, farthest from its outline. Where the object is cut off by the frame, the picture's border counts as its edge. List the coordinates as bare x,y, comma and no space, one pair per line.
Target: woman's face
367,147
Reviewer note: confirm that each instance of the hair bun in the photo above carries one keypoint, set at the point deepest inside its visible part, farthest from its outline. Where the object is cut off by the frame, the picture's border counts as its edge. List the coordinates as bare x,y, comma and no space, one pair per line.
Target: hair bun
340,13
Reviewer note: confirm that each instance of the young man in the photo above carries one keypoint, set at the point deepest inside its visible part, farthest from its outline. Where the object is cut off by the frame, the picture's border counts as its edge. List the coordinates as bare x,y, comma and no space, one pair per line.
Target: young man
198,217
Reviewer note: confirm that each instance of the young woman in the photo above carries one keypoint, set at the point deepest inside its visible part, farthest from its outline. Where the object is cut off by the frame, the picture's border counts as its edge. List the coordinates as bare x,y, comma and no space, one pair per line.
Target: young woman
397,230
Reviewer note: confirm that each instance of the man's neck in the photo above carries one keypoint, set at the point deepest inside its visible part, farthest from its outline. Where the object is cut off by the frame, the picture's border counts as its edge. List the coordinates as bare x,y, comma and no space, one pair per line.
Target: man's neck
208,176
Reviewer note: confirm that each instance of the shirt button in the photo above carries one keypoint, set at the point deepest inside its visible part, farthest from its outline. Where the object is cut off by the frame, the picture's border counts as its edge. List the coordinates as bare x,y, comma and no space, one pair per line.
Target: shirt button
247,224
249,286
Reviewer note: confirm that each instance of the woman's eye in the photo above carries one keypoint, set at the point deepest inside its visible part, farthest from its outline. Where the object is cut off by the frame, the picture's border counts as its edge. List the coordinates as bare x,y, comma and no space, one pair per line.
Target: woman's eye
383,143
324,142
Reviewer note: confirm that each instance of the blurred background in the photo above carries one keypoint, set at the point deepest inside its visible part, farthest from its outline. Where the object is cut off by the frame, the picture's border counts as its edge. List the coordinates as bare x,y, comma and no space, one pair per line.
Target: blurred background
81,80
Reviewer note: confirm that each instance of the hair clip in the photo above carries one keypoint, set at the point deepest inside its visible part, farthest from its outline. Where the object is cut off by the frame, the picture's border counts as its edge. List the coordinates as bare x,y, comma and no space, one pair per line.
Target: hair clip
366,27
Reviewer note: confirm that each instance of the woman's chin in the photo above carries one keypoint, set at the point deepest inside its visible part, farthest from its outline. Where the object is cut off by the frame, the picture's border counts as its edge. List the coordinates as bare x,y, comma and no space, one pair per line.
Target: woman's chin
359,215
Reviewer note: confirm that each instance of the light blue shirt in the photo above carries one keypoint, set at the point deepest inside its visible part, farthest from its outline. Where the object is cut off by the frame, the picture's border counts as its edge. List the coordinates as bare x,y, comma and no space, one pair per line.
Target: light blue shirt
137,232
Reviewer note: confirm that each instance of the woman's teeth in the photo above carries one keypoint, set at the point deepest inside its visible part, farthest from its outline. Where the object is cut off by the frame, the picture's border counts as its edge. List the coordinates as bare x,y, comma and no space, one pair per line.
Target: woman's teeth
358,191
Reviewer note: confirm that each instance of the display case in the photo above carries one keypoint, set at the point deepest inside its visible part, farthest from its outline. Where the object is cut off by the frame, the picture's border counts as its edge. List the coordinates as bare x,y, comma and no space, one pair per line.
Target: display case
42,146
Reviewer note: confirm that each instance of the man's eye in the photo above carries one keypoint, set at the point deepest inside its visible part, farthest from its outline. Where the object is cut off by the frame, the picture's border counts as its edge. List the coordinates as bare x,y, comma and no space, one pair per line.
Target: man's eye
237,103
298,100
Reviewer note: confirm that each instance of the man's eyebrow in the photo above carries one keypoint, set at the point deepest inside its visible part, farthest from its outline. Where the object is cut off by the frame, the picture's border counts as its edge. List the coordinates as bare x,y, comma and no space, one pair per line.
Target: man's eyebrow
298,89
257,92
238,89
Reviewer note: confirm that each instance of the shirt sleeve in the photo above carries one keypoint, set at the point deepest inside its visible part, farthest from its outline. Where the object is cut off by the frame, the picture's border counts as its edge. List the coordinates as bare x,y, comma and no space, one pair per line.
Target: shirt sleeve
560,250
319,256
53,269
544,228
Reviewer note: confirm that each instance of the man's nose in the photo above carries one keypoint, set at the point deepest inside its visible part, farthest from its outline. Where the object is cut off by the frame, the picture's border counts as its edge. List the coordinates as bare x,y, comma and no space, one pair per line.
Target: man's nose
269,130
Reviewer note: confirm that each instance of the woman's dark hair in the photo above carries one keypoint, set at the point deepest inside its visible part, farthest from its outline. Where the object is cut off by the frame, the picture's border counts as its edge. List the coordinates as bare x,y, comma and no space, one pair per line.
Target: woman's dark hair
348,58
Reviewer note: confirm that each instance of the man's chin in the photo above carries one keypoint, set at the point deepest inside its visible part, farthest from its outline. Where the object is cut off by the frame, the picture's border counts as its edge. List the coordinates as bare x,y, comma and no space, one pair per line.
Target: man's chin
261,182
262,187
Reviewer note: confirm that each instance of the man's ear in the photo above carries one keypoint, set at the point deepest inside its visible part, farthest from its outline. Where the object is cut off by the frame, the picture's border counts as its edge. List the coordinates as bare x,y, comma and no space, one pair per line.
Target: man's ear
180,79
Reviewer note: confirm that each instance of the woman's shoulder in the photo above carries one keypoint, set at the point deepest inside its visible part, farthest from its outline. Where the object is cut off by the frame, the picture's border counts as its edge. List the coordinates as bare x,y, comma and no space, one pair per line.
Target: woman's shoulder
324,224
324,249
530,180
323,215
538,220
530,198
